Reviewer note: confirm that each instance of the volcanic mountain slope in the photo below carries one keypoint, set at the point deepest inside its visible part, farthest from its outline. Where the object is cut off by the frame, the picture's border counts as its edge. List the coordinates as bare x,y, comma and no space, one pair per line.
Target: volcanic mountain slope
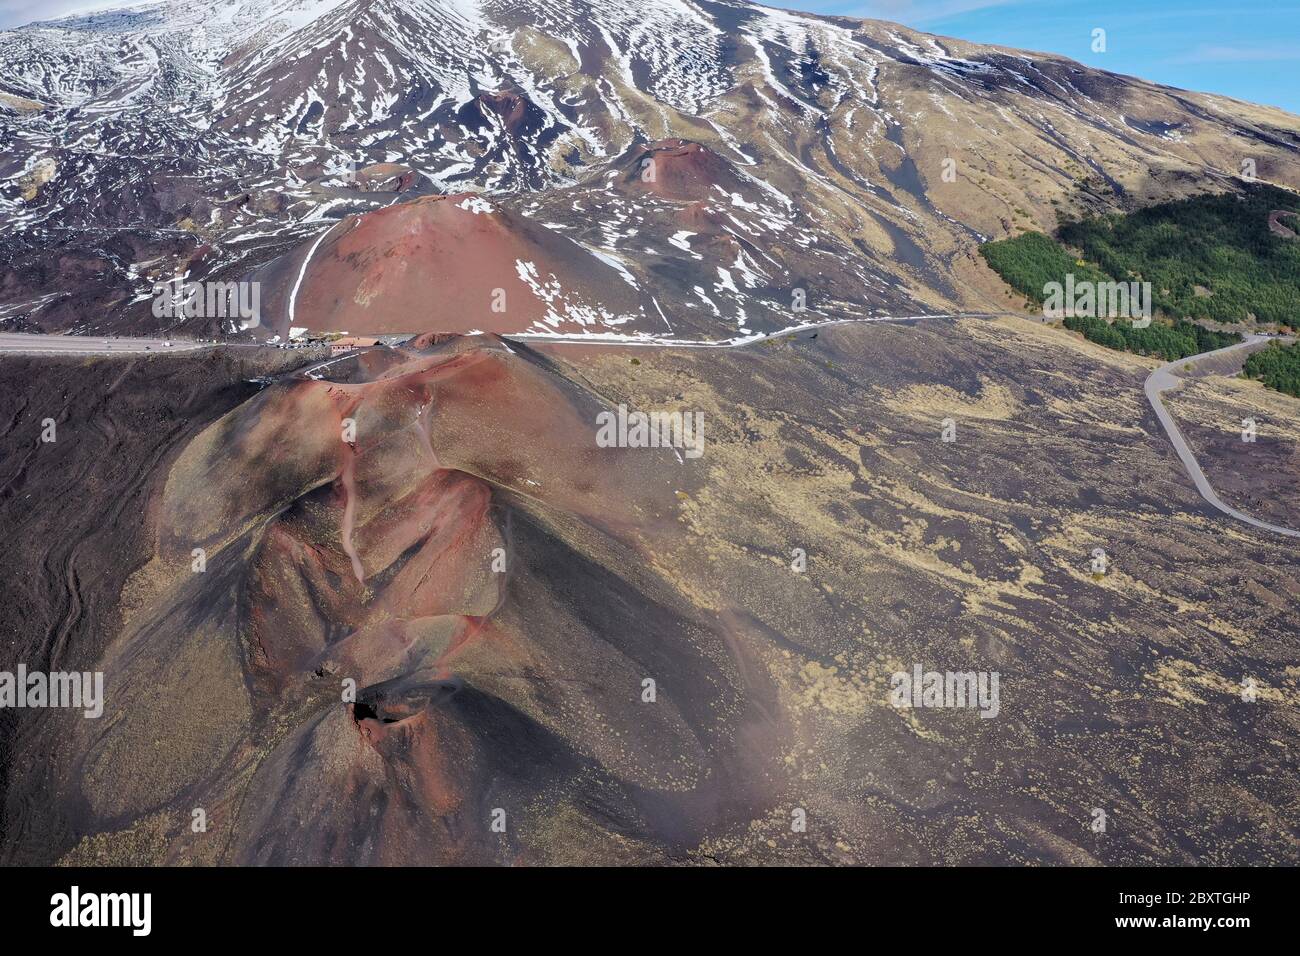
830,165
454,263
437,529
415,543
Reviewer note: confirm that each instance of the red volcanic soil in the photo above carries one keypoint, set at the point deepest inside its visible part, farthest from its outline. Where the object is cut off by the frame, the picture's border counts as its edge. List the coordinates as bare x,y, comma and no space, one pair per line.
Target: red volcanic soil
454,264
378,538
709,227
444,534
680,170
515,111
386,178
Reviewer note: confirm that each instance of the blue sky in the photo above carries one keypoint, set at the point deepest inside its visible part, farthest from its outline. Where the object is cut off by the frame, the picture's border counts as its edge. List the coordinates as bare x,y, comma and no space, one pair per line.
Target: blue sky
1250,50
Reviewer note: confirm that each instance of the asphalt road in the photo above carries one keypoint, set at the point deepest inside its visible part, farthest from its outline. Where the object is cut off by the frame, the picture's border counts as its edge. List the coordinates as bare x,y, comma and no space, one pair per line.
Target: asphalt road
21,343
1162,380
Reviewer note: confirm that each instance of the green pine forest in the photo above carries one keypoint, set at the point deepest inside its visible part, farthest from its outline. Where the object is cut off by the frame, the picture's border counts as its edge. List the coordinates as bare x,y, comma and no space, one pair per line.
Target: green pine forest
1208,258
1176,340
1277,366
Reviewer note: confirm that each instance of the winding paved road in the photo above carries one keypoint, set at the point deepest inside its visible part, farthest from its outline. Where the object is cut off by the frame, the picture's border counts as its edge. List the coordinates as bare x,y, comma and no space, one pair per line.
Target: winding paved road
1162,380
